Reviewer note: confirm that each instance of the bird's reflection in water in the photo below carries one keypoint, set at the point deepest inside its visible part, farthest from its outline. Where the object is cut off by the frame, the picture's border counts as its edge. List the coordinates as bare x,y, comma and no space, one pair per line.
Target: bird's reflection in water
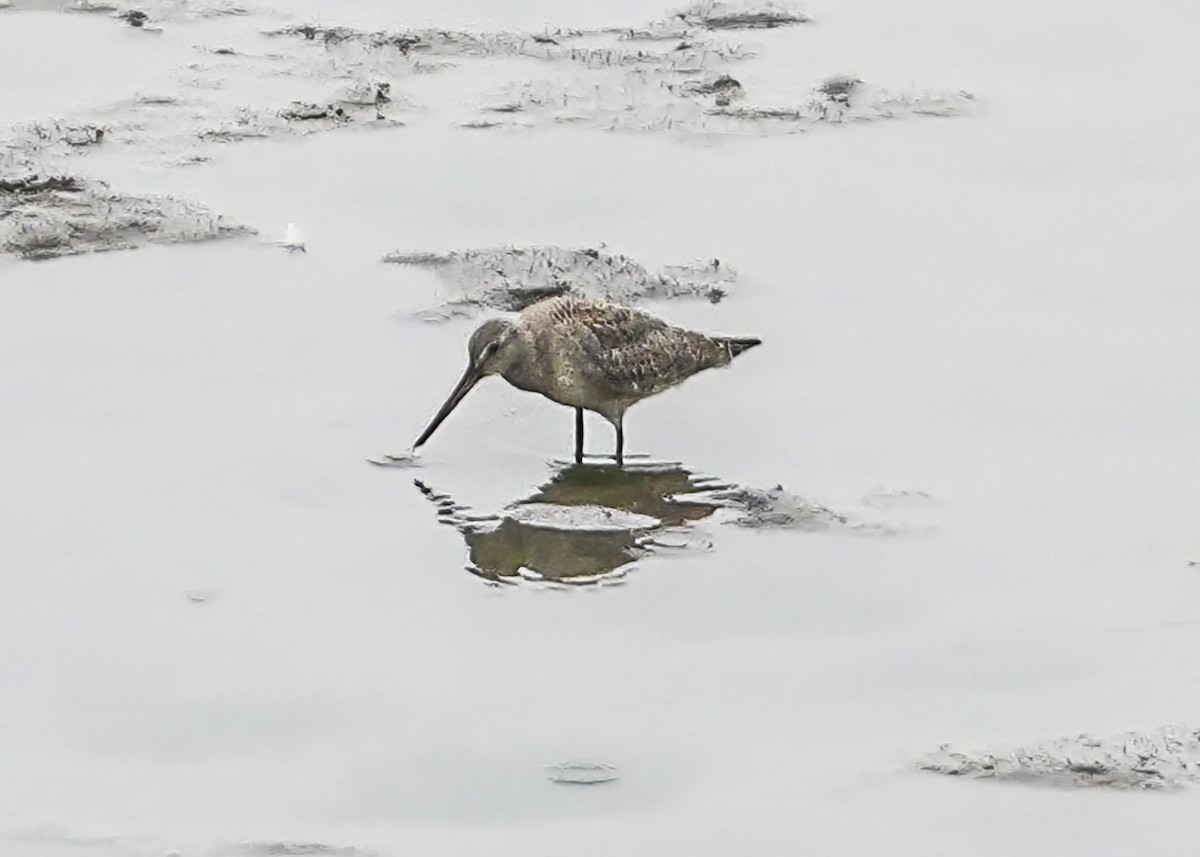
584,526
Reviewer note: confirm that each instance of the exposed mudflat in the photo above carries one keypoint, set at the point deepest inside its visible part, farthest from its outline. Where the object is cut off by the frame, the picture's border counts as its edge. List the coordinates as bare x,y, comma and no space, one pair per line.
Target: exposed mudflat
1160,759
690,101
674,74
512,278
48,216
971,270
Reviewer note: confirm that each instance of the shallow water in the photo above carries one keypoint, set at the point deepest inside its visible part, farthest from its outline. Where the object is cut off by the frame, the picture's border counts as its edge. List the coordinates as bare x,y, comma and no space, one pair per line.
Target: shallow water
994,311
586,525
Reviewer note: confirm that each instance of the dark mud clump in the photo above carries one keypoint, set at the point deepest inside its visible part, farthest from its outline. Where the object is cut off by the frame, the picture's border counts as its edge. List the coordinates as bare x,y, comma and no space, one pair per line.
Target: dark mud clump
303,117
37,184
1161,759
43,217
347,109
303,110
724,89
512,278
134,18
718,15
777,509
49,135
838,88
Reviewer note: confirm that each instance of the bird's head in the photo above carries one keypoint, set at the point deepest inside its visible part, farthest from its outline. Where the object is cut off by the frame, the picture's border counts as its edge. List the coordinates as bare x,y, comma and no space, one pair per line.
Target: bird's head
487,349
488,352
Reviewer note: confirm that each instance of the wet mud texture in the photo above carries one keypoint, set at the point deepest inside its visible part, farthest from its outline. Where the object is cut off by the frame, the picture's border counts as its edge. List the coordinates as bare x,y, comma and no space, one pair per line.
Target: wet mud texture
673,74
717,15
589,523
777,509
138,14
696,101
1160,759
670,75
183,129
512,278
43,217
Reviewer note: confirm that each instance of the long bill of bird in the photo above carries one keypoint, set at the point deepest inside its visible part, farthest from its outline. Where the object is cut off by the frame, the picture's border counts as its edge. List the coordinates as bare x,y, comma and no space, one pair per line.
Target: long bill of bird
469,379
482,360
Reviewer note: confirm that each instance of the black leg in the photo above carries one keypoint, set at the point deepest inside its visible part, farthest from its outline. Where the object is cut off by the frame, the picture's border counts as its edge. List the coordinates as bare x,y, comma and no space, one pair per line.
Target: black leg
579,435
621,442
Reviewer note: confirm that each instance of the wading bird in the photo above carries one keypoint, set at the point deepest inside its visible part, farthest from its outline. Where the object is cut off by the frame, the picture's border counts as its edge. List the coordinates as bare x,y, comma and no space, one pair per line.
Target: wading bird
589,356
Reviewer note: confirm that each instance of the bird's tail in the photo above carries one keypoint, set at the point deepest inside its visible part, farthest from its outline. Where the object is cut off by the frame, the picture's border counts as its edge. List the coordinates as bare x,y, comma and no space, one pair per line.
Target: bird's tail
742,343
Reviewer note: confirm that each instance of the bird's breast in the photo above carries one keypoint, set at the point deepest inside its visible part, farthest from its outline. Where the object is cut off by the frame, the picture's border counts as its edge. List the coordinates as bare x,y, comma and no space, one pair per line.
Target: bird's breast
557,377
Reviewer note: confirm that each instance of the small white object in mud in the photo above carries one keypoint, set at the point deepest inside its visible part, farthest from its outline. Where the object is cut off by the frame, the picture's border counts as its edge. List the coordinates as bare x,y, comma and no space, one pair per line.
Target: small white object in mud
581,773
293,239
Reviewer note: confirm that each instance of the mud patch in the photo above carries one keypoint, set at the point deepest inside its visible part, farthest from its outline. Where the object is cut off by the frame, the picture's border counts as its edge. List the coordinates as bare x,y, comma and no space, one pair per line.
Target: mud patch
296,119
178,129
675,74
1164,758
557,43
777,509
43,217
719,15
595,49
139,13
207,101
712,103
512,278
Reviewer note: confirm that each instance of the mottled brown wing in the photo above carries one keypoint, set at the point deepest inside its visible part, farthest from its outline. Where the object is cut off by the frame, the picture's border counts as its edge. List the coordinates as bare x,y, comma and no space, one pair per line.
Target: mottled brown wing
637,354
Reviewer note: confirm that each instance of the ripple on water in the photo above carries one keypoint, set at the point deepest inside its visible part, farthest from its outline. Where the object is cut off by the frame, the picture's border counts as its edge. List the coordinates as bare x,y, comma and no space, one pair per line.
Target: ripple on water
589,523
585,526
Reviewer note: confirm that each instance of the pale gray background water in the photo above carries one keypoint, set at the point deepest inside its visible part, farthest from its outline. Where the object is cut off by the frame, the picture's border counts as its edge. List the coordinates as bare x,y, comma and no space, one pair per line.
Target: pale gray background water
995,309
